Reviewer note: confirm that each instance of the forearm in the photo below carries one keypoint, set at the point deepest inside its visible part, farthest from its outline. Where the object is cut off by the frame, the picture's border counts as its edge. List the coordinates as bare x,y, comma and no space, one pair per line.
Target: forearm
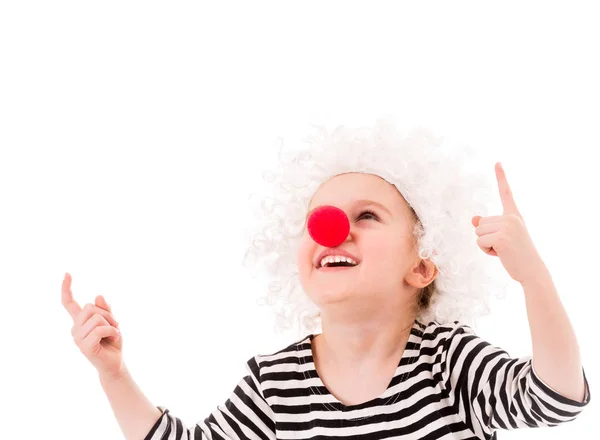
134,412
556,357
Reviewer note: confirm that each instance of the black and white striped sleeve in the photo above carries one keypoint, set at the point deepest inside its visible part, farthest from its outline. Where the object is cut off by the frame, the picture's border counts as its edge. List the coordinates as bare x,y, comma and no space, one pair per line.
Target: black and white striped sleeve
494,391
246,414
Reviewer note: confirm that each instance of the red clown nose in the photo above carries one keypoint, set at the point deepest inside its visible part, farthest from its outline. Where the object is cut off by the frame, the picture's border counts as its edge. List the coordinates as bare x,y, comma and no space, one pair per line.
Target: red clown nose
328,226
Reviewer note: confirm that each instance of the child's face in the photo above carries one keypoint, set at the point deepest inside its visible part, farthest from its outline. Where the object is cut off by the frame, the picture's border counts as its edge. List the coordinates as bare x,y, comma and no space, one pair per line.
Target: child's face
383,245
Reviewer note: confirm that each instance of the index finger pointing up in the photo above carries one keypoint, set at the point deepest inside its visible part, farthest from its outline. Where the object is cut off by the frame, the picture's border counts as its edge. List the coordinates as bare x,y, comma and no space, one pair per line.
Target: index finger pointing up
67,298
506,195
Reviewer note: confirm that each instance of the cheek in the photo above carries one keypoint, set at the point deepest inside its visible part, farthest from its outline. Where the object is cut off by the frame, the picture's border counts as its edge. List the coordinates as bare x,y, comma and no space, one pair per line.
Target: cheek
305,254
384,256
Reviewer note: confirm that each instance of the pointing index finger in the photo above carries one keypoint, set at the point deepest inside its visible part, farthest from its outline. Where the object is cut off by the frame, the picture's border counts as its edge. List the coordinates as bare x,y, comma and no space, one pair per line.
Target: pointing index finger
67,298
508,201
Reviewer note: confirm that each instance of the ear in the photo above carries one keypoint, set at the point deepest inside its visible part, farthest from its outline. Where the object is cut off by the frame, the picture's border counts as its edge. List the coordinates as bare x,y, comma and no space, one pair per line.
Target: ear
422,274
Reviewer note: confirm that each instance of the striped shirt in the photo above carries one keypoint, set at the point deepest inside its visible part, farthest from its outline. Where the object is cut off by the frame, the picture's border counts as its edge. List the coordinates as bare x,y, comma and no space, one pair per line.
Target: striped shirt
449,384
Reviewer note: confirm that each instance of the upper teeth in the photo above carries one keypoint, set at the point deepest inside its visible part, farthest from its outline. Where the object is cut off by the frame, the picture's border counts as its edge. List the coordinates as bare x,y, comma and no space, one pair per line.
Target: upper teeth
337,259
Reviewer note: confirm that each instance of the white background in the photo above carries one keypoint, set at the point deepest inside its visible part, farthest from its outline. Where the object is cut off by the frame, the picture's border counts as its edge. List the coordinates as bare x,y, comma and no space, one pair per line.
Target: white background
133,133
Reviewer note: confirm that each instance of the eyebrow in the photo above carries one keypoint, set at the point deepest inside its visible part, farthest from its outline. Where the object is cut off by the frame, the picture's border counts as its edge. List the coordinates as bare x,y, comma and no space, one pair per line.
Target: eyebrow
362,202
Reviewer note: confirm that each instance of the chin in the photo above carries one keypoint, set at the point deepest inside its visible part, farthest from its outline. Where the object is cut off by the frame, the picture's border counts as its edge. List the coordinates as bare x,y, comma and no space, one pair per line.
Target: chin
330,294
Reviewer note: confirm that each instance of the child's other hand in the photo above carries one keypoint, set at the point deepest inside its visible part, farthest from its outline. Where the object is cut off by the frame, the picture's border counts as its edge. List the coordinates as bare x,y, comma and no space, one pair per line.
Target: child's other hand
95,332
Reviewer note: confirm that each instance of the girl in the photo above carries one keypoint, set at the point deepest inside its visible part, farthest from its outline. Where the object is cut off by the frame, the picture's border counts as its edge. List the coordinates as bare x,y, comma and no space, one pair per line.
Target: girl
395,357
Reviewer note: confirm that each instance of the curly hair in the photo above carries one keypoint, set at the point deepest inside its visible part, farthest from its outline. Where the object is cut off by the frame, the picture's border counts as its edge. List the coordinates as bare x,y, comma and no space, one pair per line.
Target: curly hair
442,195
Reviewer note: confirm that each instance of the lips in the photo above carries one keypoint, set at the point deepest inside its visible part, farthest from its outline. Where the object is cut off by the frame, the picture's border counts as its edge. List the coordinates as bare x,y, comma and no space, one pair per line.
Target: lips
328,252
334,268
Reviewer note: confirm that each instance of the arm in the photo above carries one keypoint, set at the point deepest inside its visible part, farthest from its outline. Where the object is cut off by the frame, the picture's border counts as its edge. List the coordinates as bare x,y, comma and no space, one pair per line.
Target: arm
133,411
245,415
501,392
556,357
494,391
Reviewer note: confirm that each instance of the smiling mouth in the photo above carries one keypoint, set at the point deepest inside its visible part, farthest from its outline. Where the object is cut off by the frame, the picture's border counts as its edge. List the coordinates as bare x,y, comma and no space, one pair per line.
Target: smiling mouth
336,267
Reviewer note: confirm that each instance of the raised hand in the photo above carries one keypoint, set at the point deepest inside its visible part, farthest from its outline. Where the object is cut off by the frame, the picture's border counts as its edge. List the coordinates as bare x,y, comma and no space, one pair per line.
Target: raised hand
95,332
506,237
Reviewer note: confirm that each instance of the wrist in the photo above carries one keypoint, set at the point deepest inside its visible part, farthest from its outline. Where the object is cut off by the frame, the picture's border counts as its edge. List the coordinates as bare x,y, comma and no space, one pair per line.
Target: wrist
114,376
540,277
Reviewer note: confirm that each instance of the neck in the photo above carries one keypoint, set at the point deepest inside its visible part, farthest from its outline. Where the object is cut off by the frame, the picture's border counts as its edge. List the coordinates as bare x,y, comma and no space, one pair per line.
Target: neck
368,345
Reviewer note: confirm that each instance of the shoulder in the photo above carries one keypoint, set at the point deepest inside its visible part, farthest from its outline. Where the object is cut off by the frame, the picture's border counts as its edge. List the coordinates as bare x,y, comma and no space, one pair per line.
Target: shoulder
435,331
286,361
446,339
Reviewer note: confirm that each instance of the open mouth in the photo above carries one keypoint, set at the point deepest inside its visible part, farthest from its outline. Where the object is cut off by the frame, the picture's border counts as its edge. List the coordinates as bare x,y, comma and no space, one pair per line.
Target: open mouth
329,267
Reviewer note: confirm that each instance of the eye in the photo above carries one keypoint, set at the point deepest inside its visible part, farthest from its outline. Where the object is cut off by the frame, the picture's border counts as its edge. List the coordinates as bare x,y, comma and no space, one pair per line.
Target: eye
369,213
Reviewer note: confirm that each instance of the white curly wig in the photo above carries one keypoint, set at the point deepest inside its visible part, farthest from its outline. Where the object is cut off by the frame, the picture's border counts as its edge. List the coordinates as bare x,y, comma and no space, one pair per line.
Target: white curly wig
434,182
